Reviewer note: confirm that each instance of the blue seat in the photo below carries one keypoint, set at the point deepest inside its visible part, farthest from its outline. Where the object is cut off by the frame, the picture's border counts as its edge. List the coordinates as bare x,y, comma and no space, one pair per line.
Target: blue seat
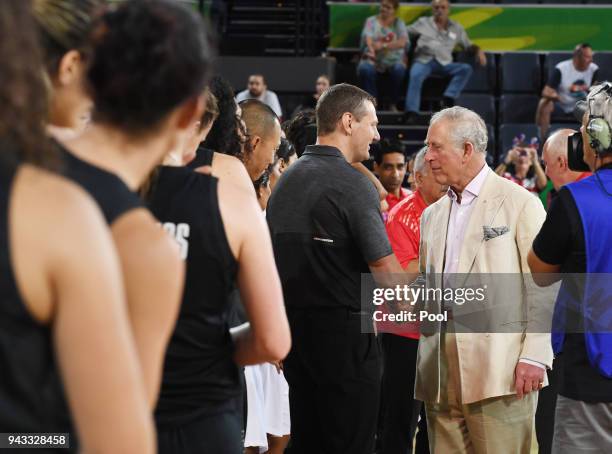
520,72
518,108
507,133
483,105
484,78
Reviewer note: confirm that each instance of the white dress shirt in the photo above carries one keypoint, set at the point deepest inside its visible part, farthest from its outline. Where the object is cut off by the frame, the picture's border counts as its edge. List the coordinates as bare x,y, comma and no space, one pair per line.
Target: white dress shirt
459,218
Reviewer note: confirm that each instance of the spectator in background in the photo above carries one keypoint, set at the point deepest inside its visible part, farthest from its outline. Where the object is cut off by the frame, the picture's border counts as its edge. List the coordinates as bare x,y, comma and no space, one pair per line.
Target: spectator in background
258,89
390,167
410,170
301,130
522,165
264,134
569,82
310,101
400,343
554,155
437,38
383,40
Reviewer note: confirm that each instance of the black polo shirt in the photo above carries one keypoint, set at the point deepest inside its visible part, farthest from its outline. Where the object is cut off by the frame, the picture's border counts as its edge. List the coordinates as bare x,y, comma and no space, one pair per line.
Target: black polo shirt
324,218
561,242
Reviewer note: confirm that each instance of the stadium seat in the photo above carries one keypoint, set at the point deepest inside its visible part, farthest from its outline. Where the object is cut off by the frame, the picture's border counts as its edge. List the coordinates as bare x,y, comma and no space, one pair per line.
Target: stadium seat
483,79
507,133
520,72
604,61
483,105
517,108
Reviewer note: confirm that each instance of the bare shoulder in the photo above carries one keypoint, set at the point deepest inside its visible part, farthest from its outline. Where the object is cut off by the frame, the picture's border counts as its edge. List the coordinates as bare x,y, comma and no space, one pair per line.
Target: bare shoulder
140,239
230,168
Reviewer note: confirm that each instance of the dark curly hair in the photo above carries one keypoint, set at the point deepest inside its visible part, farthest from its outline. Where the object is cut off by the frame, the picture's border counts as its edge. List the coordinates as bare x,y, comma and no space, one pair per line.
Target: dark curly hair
224,136
301,130
23,92
148,57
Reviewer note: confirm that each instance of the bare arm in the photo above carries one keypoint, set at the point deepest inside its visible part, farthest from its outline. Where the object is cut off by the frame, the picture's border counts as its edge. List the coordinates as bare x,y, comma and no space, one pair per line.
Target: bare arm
229,168
550,93
73,282
544,274
154,276
268,337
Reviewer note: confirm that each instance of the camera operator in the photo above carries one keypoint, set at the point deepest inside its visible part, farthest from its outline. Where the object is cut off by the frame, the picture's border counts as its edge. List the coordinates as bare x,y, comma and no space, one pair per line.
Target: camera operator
577,238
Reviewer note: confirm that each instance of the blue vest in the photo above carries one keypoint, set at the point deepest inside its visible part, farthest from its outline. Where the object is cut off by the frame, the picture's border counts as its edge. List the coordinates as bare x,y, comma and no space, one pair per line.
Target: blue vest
595,209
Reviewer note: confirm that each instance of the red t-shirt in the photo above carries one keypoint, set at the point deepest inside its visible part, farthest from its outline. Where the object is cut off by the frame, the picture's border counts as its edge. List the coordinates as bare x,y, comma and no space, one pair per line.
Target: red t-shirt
392,200
403,229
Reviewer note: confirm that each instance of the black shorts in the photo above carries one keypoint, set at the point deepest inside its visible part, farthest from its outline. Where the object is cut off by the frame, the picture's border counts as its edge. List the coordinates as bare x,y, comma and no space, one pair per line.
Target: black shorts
215,434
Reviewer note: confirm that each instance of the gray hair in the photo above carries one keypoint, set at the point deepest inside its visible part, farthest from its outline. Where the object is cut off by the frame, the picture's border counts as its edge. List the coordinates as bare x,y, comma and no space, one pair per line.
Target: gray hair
468,126
419,162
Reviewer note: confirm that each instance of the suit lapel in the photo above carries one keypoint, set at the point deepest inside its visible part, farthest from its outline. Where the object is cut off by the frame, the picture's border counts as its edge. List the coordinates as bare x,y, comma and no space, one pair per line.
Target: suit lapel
439,225
488,203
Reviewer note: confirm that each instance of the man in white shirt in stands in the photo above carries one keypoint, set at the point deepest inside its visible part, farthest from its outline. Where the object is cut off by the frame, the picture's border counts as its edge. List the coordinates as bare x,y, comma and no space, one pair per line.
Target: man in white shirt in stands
257,89
568,83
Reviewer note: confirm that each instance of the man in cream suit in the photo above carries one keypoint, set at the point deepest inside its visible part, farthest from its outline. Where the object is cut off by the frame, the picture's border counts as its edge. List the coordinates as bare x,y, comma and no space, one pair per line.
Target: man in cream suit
480,389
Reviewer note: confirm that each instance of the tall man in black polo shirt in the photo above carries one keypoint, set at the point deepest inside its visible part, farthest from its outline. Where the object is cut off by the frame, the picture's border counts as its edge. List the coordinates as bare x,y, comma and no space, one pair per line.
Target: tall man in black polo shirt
577,238
327,229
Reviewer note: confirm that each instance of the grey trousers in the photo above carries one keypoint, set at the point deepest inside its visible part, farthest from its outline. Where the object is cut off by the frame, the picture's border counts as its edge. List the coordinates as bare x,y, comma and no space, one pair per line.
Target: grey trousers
582,427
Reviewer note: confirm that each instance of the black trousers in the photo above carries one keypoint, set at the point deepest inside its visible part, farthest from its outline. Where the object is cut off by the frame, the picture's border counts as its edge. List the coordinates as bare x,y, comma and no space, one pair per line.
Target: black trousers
215,434
334,374
547,402
401,410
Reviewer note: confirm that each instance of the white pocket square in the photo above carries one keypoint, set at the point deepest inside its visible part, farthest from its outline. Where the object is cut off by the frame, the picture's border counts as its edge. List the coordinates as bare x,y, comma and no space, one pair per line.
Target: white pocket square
493,232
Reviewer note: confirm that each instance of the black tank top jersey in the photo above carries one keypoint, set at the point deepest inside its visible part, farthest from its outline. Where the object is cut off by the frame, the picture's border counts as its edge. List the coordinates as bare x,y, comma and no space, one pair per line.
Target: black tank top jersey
109,191
200,377
31,395
203,157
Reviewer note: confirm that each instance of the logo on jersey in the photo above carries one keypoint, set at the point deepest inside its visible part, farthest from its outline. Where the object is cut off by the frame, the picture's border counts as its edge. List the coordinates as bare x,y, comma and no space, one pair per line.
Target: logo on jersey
180,232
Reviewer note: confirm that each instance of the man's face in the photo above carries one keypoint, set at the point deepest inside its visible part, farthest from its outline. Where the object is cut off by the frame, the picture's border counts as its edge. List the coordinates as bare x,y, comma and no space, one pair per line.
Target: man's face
391,170
585,58
322,85
364,132
256,86
440,9
427,185
443,157
264,149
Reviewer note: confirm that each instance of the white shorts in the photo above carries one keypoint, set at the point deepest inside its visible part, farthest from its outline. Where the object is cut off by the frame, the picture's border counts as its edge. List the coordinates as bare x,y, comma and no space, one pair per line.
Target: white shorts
267,405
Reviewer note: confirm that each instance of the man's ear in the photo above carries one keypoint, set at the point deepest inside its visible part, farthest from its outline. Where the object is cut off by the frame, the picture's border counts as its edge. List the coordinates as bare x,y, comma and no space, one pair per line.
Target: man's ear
418,178
255,141
468,151
562,163
190,112
347,123
70,68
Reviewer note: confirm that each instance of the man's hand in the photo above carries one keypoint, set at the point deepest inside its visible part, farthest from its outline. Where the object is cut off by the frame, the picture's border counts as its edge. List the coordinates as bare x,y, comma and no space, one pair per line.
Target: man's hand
527,378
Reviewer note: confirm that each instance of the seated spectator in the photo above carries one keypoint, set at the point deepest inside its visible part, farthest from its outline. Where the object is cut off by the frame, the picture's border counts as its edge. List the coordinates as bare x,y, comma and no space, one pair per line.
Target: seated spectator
522,165
390,167
437,38
310,101
383,40
569,82
258,89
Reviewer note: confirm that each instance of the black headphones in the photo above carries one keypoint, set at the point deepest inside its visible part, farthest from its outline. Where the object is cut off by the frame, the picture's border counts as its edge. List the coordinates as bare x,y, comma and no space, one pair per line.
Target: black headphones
598,129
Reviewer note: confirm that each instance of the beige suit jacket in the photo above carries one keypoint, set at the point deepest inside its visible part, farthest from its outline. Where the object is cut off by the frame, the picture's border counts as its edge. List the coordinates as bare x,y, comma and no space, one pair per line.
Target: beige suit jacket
486,360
